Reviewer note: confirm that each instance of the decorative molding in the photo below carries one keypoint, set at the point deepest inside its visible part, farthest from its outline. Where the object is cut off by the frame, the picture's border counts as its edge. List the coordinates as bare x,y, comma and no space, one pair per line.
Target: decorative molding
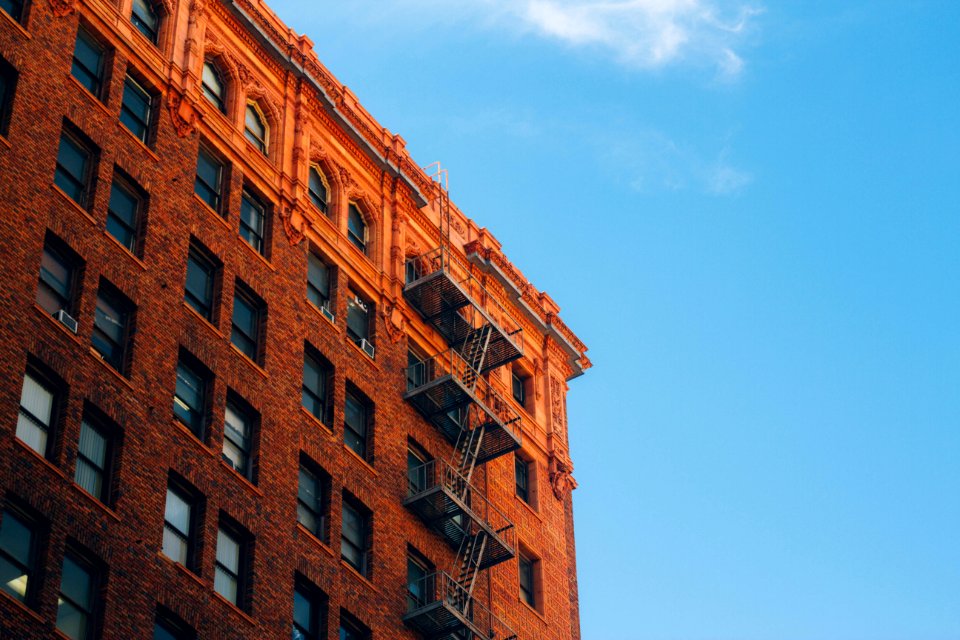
393,320
62,8
561,478
295,232
183,113
556,405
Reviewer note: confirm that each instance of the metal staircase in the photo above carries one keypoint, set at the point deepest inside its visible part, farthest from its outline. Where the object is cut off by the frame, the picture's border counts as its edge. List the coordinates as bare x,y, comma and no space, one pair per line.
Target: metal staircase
451,391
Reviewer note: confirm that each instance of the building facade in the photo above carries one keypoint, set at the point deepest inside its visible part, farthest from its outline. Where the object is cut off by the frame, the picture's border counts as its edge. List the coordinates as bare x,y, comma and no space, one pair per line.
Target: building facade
261,378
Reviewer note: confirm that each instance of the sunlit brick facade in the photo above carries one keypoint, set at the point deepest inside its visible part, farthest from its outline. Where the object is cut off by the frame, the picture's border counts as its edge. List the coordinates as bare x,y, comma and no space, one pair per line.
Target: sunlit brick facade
261,379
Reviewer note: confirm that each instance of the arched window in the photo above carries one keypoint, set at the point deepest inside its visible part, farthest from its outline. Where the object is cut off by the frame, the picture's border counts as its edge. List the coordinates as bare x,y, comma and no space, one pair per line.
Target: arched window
146,19
213,86
255,127
317,188
356,228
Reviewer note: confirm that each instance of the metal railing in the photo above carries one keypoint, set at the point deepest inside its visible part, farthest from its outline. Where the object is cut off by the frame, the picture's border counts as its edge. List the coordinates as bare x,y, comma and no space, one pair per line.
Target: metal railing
443,259
441,587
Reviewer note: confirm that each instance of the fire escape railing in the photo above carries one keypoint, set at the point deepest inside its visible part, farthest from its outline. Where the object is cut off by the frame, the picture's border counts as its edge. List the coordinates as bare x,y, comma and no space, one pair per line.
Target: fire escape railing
439,607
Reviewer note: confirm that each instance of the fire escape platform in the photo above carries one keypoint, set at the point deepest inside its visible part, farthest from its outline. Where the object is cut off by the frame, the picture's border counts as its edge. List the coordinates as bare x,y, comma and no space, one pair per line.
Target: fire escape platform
448,613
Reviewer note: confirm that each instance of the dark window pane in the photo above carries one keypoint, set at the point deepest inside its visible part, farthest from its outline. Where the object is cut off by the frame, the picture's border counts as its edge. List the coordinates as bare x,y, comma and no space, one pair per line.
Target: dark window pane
246,325
145,19
199,286
358,319
13,7
109,329
356,228
255,129
212,85
189,399
73,168
238,437
88,62
75,605
209,174
318,281
252,216
135,109
355,425
8,83
92,452
122,214
522,469
17,541
318,190
55,289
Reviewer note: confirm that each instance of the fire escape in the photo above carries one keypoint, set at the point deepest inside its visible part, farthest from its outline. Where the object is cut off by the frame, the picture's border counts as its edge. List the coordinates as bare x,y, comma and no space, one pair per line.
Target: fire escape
450,390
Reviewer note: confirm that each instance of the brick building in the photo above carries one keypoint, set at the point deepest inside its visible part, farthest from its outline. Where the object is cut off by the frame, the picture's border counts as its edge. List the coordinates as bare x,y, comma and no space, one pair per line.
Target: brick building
261,378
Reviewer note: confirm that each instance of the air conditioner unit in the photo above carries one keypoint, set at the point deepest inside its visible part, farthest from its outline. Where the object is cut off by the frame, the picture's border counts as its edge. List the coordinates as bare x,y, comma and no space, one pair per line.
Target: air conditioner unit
66,320
367,347
328,314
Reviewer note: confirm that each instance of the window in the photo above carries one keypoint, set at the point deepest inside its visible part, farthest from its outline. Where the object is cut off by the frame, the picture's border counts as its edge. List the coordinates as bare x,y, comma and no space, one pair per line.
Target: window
136,109
229,570
416,370
529,567
255,127
313,499
38,411
420,581
253,216
8,85
190,398
317,385
14,8
318,282
76,606
249,314
213,86
19,551
356,228
239,430
111,326
356,424
94,459
317,188
351,628
124,213
146,19
358,318
88,62
522,472
179,525
209,182
355,538
200,288
309,611
59,271
74,173
416,470
518,387
168,626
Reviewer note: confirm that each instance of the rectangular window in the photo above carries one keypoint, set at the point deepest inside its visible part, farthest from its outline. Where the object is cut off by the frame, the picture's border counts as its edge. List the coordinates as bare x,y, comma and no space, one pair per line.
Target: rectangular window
19,551
351,628
38,409
136,109
356,424
76,606
239,431
14,8
124,213
416,470
74,173
209,182
358,318
230,566
253,222
111,326
313,499
200,288
528,571
522,470
416,370
317,385
318,282
519,393
169,626
94,459
59,269
420,579
179,525
309,611
249,315
355,539
88,62
190,398
8,86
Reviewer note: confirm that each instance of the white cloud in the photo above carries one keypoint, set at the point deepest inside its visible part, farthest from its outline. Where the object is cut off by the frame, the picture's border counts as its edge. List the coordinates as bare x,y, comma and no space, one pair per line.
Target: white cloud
649,34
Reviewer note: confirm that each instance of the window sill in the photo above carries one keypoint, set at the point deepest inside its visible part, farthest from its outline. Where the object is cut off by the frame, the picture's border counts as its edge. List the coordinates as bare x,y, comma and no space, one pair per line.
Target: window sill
143,145
222,219
74,205
327,428
3,141
181,568
126,251
192,437
372,362
240,612
357,457
250,362
316,310
363,579
46,462
16,25
58,325
203,320
315,540
256,253
116,374
92,498
41,623
532,610
246,481
89,96
529,507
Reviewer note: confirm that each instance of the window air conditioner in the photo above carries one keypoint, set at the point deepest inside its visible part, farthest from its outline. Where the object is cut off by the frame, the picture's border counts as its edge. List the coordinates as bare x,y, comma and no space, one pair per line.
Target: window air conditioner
66,320
328,314
367,347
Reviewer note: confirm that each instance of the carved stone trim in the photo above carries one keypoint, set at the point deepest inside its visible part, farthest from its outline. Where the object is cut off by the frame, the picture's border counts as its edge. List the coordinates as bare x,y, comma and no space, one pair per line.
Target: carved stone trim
393,321
183,113
294,231
561,478
62,8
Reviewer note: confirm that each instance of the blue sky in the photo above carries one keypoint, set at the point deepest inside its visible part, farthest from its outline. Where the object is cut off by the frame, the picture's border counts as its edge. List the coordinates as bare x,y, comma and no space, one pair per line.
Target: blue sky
751,214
